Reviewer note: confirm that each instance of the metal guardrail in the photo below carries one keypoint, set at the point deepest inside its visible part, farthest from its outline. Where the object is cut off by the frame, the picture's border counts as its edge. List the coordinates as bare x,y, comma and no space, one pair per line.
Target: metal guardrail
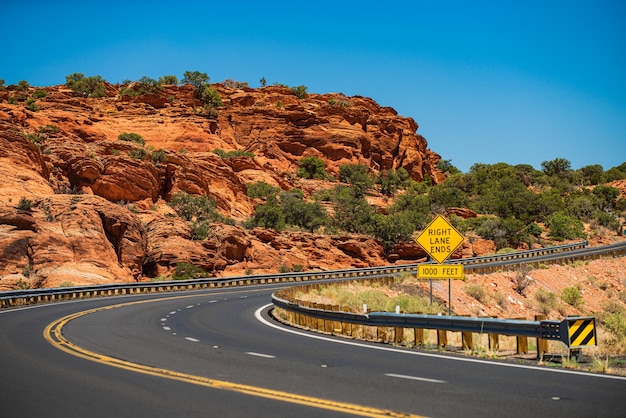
545,329
573,332
483,264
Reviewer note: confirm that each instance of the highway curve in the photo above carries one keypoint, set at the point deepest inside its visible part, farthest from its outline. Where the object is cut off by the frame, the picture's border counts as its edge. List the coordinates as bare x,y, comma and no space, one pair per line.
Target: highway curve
206,353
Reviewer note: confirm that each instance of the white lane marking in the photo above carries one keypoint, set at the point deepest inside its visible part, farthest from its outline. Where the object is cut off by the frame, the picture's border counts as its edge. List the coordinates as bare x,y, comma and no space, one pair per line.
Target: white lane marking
257,315
173,312
193,340
213,301
421,379
167,329
190,306
252,353
163,319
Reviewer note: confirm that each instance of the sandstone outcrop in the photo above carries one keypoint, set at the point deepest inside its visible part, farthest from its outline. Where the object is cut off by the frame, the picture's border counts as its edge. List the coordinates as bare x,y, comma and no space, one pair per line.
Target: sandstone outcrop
95,207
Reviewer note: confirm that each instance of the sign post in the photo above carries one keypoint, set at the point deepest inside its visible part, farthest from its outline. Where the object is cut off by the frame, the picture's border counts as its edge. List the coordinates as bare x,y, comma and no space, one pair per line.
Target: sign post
440,239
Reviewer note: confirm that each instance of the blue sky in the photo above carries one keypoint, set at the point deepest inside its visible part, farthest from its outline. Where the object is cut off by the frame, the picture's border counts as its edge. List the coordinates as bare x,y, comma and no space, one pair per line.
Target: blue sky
487,81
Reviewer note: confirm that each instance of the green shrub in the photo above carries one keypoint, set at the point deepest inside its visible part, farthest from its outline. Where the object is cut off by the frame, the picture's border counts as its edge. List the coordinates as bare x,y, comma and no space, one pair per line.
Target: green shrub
195,78
48,129
12,100
547,301
233,154
312,167
534,229
339,103
615,324
200,230
138,153
284,268
356,175
572,296
352,211
392,229
305,215
24,205
159,156
234,84
86,86
476,291
147,85
186,271
39,94
23,85
209,96
132,137
36,139
261,190
31,105
169,80
391,180
564,227
194,208
299,92
268,215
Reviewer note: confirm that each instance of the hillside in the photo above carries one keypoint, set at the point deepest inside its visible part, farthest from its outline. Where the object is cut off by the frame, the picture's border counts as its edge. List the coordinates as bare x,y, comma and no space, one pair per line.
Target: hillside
99,208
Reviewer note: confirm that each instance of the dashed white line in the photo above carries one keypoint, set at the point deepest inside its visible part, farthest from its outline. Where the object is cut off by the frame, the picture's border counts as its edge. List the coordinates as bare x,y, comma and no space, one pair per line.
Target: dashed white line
167,329
252,353
190,306
421,379
193,340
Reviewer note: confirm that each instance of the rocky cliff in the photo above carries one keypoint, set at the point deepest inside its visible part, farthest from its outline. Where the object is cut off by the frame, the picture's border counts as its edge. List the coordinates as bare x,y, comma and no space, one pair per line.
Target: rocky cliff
80,206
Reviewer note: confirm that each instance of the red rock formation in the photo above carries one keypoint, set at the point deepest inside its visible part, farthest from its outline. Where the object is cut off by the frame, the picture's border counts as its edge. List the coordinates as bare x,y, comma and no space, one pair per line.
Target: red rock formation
67,160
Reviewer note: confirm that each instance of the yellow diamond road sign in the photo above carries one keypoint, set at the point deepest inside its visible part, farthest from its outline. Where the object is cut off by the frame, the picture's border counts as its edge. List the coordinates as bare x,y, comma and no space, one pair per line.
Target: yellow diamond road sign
440,239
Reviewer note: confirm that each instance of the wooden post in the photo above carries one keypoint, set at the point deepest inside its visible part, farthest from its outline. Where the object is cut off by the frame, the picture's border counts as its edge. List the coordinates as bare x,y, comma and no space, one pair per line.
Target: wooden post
494,342
419,336
468,342
336,324
442,338
329,324
542,345
522,343
398,335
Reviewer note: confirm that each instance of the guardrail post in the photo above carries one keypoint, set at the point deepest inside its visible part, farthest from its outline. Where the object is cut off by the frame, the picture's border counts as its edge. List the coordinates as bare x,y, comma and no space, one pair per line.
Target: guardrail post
468,343
522,343
346,327
494,342
398,335
328,324
542,345
418,336
336,324
442,338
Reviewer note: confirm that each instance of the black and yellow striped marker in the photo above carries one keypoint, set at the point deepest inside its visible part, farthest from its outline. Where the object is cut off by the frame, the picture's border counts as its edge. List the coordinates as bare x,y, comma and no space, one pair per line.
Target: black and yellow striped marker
581,332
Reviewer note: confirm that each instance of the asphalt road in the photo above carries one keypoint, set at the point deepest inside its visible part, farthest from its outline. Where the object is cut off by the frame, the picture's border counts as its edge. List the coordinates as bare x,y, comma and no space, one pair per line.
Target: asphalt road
217,353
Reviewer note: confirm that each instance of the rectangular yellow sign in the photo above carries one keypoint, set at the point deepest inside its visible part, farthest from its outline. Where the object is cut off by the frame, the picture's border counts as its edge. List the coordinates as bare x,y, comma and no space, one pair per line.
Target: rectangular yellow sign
440,271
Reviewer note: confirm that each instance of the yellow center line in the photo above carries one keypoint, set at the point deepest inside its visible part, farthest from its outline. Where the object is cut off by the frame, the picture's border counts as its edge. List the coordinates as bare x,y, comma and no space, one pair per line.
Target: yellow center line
53,333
